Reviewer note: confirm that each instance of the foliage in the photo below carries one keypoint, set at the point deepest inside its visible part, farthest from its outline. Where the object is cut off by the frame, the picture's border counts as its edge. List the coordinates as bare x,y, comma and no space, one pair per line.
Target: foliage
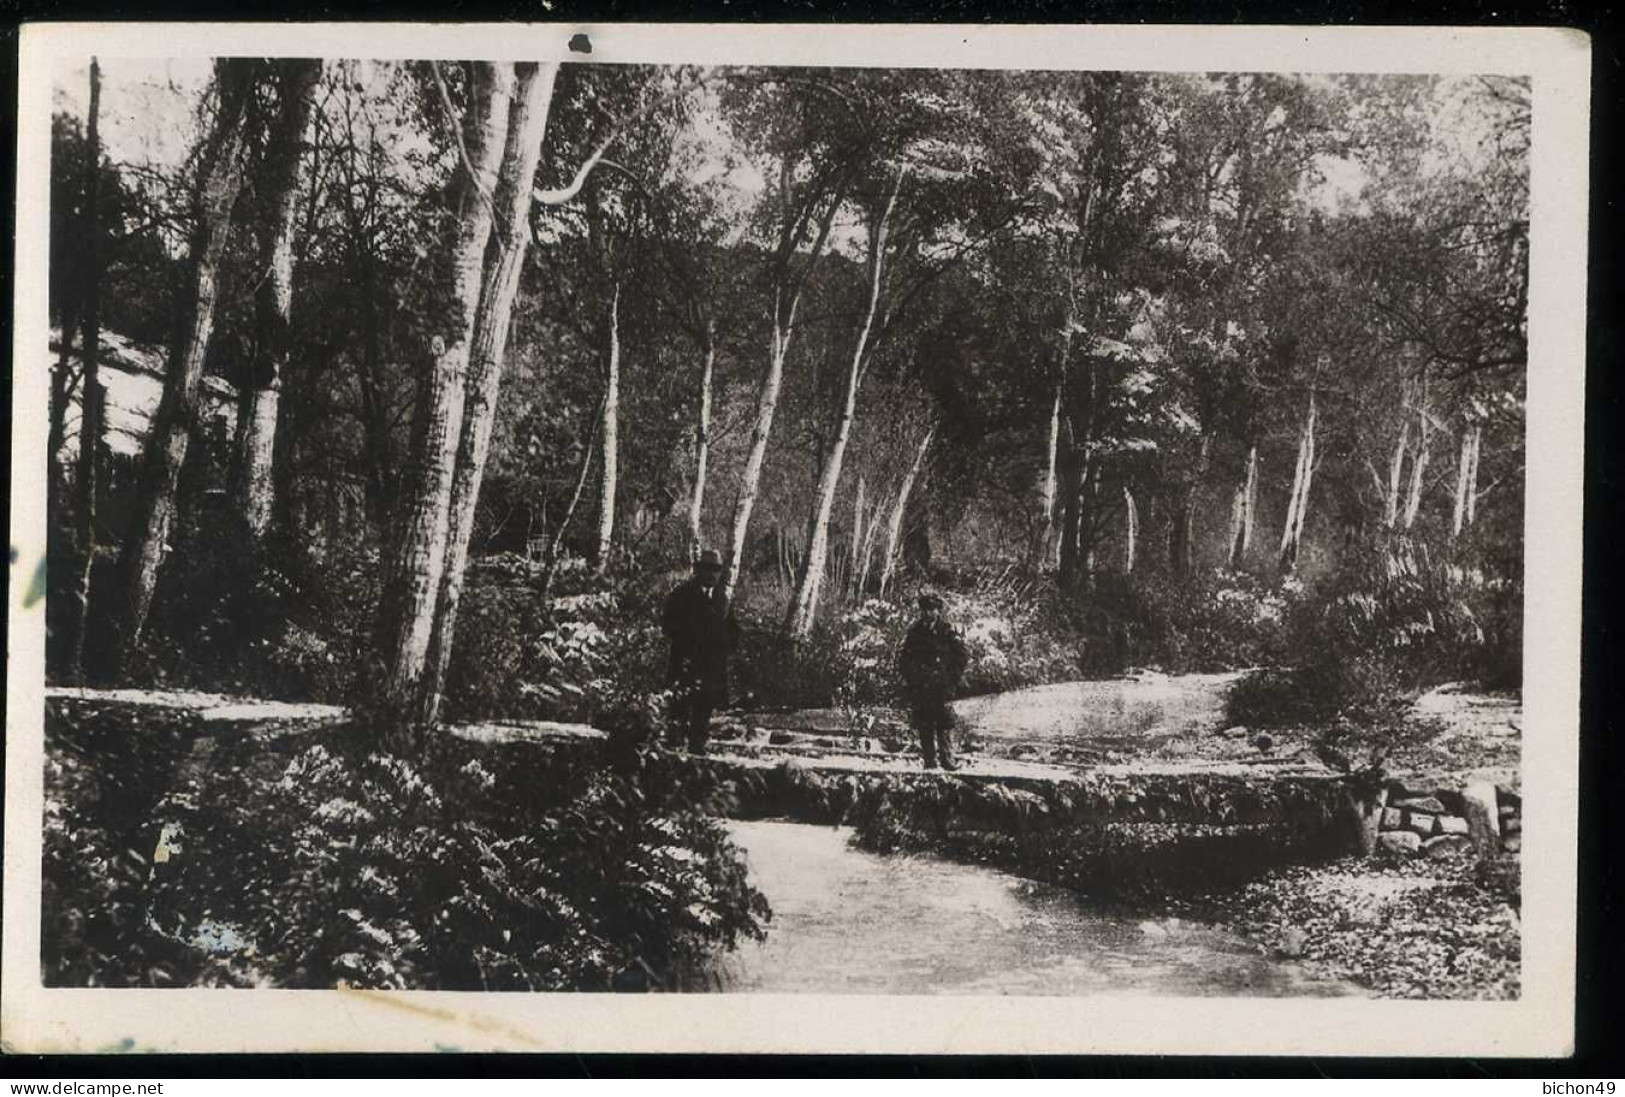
1014,637
1388,624
1210,621
1175,261
326,863
102,772
589,648
262,617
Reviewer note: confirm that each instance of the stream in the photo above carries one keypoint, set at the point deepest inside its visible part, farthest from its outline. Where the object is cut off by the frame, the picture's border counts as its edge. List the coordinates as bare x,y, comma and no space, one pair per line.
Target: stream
850,922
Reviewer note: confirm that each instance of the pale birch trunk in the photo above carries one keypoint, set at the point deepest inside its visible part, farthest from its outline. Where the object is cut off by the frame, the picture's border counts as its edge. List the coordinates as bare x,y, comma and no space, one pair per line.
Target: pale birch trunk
871,537
556,550
90,403
1298,500
767,401
702,440
61,394
1396,476
219,181
899,510
273,300
1472,472
1131,530
1184,555
859,501
416,564
504,263
1458,509
785,303
1419,465
1466,479
1243,510
609,440
1308,476
1050,471
804,601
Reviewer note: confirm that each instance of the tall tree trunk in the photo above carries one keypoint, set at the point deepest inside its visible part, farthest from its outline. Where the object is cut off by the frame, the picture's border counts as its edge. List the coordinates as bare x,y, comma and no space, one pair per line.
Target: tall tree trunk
416,563
91,403
899,510
609,439
1073,475
767,402
804,602
1396,476
219,180
1472,472
860,499
504,263
1183,541
1308,476
1466,479
273,300
1419,464
702,438
1290,525
61,395
1050,485
1241,527
786,301
1298,499
374,413
866,551
1131,530
555,551
1089,523
1249,513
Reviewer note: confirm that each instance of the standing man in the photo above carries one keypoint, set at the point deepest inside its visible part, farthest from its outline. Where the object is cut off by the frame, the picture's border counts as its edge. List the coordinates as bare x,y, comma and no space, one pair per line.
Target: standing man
932,662
702,632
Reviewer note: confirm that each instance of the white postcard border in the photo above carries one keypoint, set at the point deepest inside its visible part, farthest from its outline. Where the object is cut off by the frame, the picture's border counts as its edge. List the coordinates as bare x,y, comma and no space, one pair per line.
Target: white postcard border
1538,1024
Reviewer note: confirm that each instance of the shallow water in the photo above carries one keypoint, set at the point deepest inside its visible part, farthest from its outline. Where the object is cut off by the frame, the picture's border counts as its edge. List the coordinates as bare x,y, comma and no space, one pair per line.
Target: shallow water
849,922
1147,706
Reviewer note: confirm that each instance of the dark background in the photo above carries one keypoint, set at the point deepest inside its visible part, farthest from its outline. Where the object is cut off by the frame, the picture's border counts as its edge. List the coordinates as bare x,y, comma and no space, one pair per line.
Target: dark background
1601,969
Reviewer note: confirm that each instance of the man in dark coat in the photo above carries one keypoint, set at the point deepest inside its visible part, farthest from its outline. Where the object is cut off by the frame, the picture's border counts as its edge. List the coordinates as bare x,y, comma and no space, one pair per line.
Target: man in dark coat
702,632
932,662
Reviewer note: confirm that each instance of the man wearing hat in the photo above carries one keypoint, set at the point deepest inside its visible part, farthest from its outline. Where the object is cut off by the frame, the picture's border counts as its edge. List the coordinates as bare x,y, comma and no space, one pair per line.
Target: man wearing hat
931,663
702,632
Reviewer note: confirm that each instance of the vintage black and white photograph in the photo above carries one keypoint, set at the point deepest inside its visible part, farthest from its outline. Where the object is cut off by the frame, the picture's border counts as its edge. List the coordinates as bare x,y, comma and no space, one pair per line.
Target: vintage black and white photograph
739,529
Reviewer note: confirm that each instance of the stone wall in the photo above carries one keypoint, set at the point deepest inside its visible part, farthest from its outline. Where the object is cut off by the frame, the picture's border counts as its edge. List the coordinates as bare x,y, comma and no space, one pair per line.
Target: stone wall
1478,817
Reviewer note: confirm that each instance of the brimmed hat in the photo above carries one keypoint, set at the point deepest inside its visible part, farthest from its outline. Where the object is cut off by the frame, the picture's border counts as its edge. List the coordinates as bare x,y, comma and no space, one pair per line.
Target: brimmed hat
710,558
932,601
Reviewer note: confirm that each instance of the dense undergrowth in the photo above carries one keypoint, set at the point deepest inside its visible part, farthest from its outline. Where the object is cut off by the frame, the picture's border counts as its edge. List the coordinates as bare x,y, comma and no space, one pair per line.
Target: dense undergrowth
315,863
1347,648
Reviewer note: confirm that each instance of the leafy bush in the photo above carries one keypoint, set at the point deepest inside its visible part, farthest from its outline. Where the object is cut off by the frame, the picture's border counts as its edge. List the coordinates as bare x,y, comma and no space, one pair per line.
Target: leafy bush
1416,610
1393,621
581,652
1206,622
332,863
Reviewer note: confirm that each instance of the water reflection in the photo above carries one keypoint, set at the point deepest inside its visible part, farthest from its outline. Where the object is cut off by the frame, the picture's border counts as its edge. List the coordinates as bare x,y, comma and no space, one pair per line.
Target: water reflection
847,922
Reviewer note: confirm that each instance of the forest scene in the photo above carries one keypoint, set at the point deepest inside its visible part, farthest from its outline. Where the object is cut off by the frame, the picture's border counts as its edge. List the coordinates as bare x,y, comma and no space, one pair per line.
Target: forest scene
391,401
